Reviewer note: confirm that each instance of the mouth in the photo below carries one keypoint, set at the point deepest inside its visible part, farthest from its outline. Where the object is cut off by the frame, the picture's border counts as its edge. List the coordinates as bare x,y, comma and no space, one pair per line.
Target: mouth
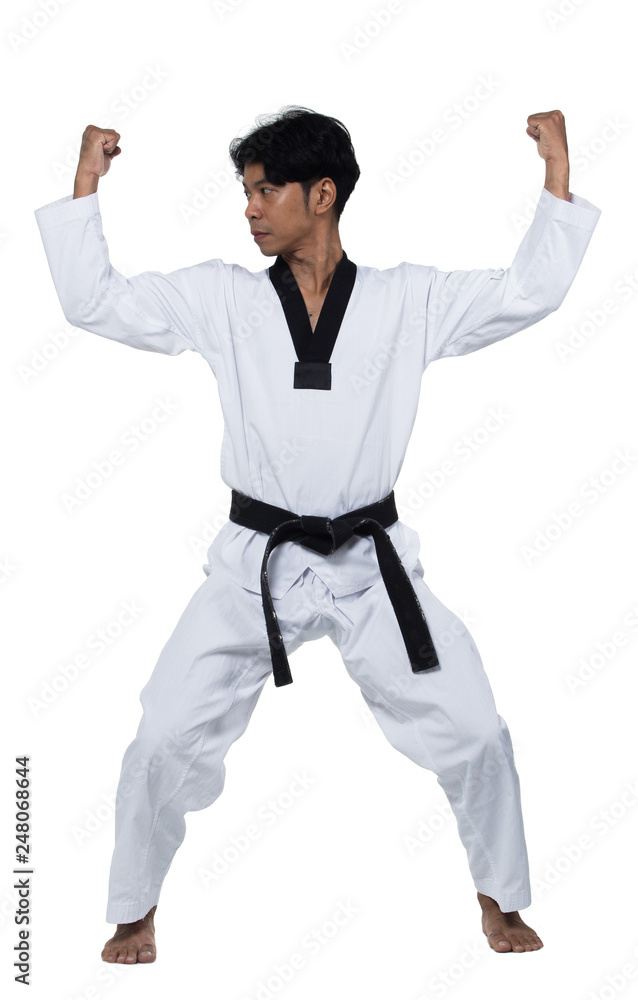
260,236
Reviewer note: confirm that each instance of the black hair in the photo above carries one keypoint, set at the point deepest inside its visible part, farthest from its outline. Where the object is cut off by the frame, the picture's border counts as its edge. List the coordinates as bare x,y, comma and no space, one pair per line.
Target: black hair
298,144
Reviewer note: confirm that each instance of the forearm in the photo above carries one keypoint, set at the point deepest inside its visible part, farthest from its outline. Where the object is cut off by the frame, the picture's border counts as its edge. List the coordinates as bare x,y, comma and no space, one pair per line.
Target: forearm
557,178
85,183
149,311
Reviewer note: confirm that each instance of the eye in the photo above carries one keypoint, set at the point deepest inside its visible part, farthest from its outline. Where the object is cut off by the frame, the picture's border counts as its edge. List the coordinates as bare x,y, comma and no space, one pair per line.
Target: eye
247,193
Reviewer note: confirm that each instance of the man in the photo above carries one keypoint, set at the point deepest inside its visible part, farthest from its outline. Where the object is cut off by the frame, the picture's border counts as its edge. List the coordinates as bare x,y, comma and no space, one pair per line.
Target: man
313,545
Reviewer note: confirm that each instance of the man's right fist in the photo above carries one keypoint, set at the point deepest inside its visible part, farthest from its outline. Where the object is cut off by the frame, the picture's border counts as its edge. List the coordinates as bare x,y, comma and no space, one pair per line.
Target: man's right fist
99,146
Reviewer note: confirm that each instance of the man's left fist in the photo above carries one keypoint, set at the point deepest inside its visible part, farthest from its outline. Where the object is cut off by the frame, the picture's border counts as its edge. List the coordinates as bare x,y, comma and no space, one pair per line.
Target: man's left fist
548,129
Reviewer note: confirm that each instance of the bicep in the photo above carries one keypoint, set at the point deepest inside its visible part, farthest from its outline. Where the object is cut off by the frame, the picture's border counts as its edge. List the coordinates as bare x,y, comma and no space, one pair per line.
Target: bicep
466,310
149,311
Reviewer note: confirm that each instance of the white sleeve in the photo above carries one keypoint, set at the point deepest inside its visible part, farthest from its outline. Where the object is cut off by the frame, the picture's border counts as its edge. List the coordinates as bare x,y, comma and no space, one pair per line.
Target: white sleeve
467,310
150,311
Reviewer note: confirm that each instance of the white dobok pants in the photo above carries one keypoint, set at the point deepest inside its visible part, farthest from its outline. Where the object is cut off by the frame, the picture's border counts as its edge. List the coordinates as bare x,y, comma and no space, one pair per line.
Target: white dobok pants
206,683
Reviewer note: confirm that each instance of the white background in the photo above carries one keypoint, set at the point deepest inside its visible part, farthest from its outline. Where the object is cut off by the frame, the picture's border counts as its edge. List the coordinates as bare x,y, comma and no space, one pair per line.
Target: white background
179,82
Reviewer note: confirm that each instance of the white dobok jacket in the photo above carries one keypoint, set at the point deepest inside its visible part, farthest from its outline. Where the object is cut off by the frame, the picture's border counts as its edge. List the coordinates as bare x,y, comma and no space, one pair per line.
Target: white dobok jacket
313,451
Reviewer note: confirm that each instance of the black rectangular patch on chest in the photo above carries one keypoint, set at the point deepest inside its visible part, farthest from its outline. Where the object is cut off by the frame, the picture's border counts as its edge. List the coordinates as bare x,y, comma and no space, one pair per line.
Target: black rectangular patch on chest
312,375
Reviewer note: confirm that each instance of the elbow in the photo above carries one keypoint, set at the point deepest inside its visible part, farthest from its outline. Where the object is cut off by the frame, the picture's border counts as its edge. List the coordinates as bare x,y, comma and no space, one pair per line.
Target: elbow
557,291
556,301
82,314
75,317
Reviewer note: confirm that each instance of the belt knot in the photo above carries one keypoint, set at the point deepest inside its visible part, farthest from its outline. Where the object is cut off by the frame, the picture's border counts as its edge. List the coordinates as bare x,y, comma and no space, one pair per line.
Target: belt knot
324,534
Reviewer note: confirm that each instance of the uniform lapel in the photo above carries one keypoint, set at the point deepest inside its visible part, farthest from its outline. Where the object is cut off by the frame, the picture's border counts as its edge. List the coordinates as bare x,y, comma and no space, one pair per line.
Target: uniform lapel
313,369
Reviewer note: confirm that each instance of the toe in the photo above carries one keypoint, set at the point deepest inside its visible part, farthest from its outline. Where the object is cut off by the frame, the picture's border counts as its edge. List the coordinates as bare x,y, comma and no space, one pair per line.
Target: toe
499,943
131,954
146,954
521,943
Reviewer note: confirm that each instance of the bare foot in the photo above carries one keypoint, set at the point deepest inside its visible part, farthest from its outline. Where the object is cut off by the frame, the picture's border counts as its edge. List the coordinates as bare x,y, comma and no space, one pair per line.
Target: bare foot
506,931
132,942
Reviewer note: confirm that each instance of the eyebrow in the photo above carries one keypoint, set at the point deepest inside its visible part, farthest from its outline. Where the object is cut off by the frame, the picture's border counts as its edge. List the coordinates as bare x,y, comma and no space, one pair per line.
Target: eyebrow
262,180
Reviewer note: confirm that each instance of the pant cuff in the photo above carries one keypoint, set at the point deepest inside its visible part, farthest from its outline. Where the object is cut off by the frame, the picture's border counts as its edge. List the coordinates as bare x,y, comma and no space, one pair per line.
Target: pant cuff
507,901
128,913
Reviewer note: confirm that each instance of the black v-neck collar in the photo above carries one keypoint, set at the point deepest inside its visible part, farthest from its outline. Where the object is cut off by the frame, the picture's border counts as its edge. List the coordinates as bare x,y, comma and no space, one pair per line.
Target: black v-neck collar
313,370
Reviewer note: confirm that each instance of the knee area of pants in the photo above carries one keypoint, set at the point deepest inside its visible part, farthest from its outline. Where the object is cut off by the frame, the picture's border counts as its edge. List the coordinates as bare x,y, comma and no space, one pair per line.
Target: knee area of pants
155,746
482,766
448,636
490,748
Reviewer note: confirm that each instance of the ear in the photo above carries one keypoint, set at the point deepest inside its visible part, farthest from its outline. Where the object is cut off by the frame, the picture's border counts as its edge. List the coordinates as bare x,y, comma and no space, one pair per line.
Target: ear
326,194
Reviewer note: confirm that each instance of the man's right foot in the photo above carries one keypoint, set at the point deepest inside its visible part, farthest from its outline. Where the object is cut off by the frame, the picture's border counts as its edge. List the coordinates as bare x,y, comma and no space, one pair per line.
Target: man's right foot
132,942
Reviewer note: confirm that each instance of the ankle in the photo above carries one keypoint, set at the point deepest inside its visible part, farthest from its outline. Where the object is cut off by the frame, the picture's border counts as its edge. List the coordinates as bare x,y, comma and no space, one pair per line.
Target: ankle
486,902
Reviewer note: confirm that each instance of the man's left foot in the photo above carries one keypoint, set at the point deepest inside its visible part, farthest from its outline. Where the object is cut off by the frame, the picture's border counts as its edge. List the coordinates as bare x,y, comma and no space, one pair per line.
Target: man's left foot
506,931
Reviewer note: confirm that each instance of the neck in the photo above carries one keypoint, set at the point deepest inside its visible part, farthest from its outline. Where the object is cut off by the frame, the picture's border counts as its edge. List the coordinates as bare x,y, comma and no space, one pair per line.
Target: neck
313,268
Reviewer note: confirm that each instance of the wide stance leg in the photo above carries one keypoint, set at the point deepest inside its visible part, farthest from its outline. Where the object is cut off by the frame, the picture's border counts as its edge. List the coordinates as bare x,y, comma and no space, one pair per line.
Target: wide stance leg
445,720
197,702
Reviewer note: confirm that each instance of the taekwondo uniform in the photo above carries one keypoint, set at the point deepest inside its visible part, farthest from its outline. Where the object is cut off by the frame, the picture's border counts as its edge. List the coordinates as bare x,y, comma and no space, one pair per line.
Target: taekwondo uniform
312,435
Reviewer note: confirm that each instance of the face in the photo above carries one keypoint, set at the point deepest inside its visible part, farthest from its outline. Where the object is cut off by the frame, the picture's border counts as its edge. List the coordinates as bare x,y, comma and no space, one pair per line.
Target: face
279,211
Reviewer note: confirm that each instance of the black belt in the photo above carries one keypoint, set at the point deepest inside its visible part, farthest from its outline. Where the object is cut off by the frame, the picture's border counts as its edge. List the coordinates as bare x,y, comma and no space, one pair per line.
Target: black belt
325,535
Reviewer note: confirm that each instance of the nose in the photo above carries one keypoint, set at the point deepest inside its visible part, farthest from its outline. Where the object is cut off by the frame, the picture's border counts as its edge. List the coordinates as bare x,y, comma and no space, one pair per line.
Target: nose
252,209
